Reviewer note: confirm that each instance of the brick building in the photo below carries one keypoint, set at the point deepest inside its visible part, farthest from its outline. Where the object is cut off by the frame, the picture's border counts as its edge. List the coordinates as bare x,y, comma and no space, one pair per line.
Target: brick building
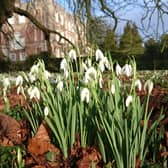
27,39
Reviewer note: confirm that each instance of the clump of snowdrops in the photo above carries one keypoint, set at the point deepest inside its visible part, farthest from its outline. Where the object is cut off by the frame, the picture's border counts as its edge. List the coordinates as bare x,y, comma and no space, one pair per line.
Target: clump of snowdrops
77,104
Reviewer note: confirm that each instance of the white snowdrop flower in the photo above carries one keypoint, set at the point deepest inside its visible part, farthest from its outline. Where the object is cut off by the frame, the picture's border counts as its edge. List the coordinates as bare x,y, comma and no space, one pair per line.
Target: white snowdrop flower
129,100
34,69
112,88
104,63
101,66
20,90
127,70
66,74
19,80
47,74
60,85
46,111
101,82
99,55
91,73
34,93
64,65
32,77
85,95
118,70
72,54
148,86
138,84
6,82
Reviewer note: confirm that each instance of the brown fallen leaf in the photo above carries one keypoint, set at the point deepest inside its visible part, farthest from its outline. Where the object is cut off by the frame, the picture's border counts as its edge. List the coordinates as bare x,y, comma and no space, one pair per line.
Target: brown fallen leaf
88,156
40,143
5,141
10,128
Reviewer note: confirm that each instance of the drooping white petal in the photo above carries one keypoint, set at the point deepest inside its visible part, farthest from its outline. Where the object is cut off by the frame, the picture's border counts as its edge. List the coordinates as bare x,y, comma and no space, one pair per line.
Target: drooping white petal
19,80
72,54
34,93
6,82
66,74
101,66
32,77
107,63
20,90
127,70
118,70
104,63
101,82
64,64
60,85
34,69
148,86
91,74
85,95
112,88
99,55
138,84
47,74
129,100
46,111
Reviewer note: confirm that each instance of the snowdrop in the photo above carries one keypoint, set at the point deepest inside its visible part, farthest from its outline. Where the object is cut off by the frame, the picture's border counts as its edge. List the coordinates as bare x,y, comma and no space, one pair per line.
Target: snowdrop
34,69
60,85
46,111
19,80
47,74
101,82
118,70
112,88
6,83
72,54
104,63
85,95
20,90
129,100
64,64
64,67
34,93
99,55
138,84
127,70
32,77
91,74
148,86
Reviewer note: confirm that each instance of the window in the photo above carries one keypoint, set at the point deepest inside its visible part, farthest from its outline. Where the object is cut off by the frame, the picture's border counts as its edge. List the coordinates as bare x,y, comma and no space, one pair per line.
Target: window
22,56
12,57
22,19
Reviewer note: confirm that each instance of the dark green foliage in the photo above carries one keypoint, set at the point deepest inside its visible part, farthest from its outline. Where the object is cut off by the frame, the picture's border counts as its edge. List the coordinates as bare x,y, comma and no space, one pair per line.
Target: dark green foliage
7,154
52,64
131,41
